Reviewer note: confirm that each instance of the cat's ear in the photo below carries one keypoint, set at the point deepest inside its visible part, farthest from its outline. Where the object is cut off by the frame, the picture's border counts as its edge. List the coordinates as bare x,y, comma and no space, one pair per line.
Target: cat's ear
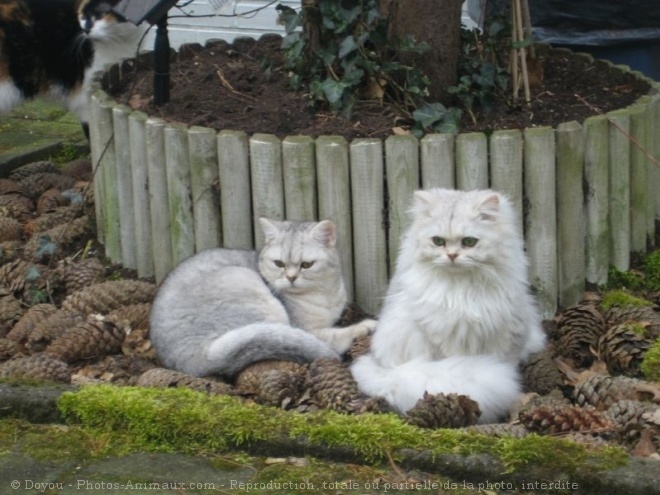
489,209
325,233
270,228
423,201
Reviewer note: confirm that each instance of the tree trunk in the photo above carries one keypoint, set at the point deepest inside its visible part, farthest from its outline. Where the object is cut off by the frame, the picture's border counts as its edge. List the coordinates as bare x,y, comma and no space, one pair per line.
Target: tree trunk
436,22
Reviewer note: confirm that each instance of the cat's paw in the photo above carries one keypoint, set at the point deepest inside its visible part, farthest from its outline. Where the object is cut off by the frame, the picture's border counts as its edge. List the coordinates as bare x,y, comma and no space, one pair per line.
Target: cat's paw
365,327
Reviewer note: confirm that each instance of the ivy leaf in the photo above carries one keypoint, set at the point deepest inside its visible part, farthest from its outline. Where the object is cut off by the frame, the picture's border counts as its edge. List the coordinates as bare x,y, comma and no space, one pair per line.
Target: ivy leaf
429,114
333,90
495,28
523,43
450,121
290,17
353,77
350,15
347,46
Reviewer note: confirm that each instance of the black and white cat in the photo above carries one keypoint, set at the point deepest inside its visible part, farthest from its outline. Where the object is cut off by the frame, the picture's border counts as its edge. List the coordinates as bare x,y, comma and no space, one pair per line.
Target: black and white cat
52,48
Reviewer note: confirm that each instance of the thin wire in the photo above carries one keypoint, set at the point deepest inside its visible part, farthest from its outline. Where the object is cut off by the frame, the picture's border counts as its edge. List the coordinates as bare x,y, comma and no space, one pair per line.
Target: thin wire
242,14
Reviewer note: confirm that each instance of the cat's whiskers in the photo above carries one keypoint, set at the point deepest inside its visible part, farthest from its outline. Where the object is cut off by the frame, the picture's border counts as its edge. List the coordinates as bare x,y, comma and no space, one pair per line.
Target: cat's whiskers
76,48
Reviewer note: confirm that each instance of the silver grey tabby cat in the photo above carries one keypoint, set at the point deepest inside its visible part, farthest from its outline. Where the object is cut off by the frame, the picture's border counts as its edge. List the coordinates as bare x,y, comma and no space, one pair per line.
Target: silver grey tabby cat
223,309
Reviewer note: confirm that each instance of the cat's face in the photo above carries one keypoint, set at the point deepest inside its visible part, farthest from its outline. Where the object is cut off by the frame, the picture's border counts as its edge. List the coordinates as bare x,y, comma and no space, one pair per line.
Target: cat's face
98,19
298,257
458,231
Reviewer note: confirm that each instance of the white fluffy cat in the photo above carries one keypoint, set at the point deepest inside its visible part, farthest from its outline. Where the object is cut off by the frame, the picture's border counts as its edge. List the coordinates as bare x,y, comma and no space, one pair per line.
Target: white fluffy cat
224,309
458,316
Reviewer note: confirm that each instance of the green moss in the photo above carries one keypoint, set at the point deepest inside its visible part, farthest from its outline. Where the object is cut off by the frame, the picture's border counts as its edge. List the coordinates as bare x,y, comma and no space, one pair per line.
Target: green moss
651,363
66,153
53,442
652,271
648,278
548,451
26,382
622,298
186,421
617,279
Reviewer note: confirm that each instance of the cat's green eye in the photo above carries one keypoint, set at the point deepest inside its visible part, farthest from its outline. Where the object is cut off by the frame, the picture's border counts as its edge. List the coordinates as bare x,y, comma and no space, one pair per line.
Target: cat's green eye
438,241
279,263
469,241
306,264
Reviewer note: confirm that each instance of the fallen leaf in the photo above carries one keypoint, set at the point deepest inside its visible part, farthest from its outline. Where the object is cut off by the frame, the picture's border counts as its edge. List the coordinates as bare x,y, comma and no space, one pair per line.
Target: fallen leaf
652,417
575,376
400,131
137,102
649,388
374,89
645,446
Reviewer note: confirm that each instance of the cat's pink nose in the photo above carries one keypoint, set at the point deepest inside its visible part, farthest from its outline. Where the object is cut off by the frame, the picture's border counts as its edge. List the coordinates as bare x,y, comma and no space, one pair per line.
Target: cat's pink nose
292,278
452,256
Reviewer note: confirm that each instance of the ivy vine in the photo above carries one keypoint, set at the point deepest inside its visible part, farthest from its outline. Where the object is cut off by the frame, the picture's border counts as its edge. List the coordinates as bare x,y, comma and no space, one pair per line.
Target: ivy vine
351,59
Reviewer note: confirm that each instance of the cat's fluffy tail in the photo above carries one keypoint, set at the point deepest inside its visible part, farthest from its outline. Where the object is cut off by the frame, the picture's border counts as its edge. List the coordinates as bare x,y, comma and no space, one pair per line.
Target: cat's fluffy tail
230,353
494,384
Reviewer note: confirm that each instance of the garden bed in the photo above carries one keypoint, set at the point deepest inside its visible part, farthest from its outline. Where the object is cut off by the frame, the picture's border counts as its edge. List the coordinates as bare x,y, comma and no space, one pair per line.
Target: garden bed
244,86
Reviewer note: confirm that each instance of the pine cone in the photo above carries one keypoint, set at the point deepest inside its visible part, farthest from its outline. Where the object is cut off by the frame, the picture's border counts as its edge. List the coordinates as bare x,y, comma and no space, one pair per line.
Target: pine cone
602,391
33,168
17,206
352,314
82,194
628,416
60,216
27,281
623,347
624,412
247,380
540,374
51,328
10,250
9,349
8,186
13,275
52,243
80,169
499,430
529,402
164,378
37,184
359,347
92,338
135,318
332,385
564,419
275,383
37,367
31,318
648,315
652,429
10,229
11,311
76,275
119,370
106,296
443,411
50,200
578,330
279,389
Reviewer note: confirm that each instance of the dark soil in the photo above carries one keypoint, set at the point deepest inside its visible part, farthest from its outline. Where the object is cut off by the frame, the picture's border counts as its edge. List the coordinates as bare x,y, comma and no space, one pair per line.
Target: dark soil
244,86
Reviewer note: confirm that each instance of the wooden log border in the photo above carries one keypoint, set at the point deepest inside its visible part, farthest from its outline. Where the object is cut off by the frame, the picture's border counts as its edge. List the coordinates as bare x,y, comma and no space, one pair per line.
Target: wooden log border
587,192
